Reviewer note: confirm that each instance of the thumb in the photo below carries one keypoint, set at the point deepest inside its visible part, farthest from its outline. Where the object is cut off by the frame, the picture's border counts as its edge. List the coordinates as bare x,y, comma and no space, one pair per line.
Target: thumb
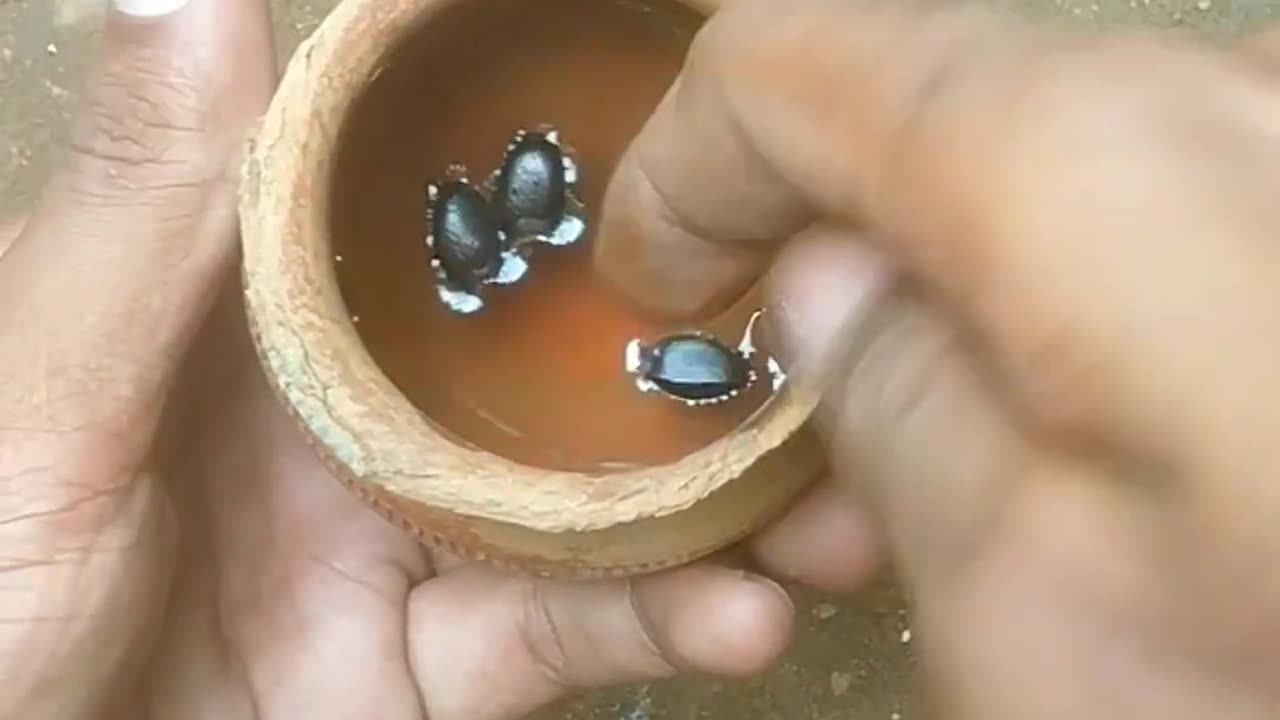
112,275
100,293
911,426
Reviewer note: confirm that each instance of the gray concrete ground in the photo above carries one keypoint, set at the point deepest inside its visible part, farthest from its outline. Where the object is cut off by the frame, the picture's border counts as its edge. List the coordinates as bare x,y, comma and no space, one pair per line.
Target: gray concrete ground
852,658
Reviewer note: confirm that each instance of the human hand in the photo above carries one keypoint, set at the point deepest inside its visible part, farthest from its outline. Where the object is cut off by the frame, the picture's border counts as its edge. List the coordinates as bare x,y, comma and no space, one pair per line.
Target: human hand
1059,410
172,547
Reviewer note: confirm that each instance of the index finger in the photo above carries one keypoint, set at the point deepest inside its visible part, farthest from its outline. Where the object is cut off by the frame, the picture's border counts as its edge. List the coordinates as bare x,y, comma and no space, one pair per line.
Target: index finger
784,113
1060,193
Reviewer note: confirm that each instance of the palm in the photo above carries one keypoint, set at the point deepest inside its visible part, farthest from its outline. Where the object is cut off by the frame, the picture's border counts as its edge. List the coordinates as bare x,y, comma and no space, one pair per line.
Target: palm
289,595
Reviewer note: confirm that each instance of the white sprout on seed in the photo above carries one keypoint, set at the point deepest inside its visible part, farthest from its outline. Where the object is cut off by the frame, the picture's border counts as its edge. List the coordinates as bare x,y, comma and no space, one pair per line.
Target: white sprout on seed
570,170
776,373
631,356
567,232
747,346
458,300
513,267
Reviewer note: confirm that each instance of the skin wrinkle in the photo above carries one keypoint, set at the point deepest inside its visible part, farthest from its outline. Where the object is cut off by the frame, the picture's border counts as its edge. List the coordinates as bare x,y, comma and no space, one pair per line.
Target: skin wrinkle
232,655
669,208
144,98
741,74
48,400
644,626
129,146
70,399
406,655
757,159
347,576
88,559
751,254
665,647
230,651
195,540
540,634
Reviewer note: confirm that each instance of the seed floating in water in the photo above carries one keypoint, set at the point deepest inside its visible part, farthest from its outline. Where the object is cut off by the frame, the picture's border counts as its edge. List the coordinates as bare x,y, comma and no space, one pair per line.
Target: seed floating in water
469,248
535,189
697,368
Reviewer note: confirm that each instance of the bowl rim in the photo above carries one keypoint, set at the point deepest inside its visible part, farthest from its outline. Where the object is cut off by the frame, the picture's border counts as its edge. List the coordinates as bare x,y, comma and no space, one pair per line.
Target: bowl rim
317,364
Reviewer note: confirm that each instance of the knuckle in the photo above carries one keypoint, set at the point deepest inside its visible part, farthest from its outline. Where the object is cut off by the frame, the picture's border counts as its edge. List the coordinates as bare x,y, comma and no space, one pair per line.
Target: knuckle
141,129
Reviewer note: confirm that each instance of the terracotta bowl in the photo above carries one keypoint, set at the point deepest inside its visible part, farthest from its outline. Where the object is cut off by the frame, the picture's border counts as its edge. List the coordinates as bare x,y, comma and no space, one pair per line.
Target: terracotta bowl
476,504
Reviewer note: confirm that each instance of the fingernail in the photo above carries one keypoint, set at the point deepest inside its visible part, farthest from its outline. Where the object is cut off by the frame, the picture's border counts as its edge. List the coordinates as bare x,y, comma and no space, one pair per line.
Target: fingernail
148,8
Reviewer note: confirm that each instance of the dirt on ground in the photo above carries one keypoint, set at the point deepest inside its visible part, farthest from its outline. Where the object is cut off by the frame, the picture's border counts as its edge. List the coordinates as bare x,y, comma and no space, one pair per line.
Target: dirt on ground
852,659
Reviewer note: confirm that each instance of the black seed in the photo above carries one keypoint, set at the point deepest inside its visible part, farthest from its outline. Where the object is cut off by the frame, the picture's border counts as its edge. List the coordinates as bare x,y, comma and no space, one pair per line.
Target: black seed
697,367
529,191
465,235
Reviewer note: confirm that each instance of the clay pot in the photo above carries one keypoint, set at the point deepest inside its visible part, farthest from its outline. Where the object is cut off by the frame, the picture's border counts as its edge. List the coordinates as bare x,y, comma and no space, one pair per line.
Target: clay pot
477,504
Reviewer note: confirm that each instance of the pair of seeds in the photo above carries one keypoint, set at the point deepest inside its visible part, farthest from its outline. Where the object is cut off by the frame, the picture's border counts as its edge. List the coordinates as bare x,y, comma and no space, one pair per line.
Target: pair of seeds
481,236
696,368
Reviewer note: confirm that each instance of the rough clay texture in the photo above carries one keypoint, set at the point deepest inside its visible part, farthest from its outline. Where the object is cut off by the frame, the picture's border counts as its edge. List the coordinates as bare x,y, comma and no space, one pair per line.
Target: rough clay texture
556,523
850,661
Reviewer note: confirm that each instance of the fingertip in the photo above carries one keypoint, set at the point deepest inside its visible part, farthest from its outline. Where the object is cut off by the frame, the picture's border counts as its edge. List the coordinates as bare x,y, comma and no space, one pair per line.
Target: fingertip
827,542
756,626
718,621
